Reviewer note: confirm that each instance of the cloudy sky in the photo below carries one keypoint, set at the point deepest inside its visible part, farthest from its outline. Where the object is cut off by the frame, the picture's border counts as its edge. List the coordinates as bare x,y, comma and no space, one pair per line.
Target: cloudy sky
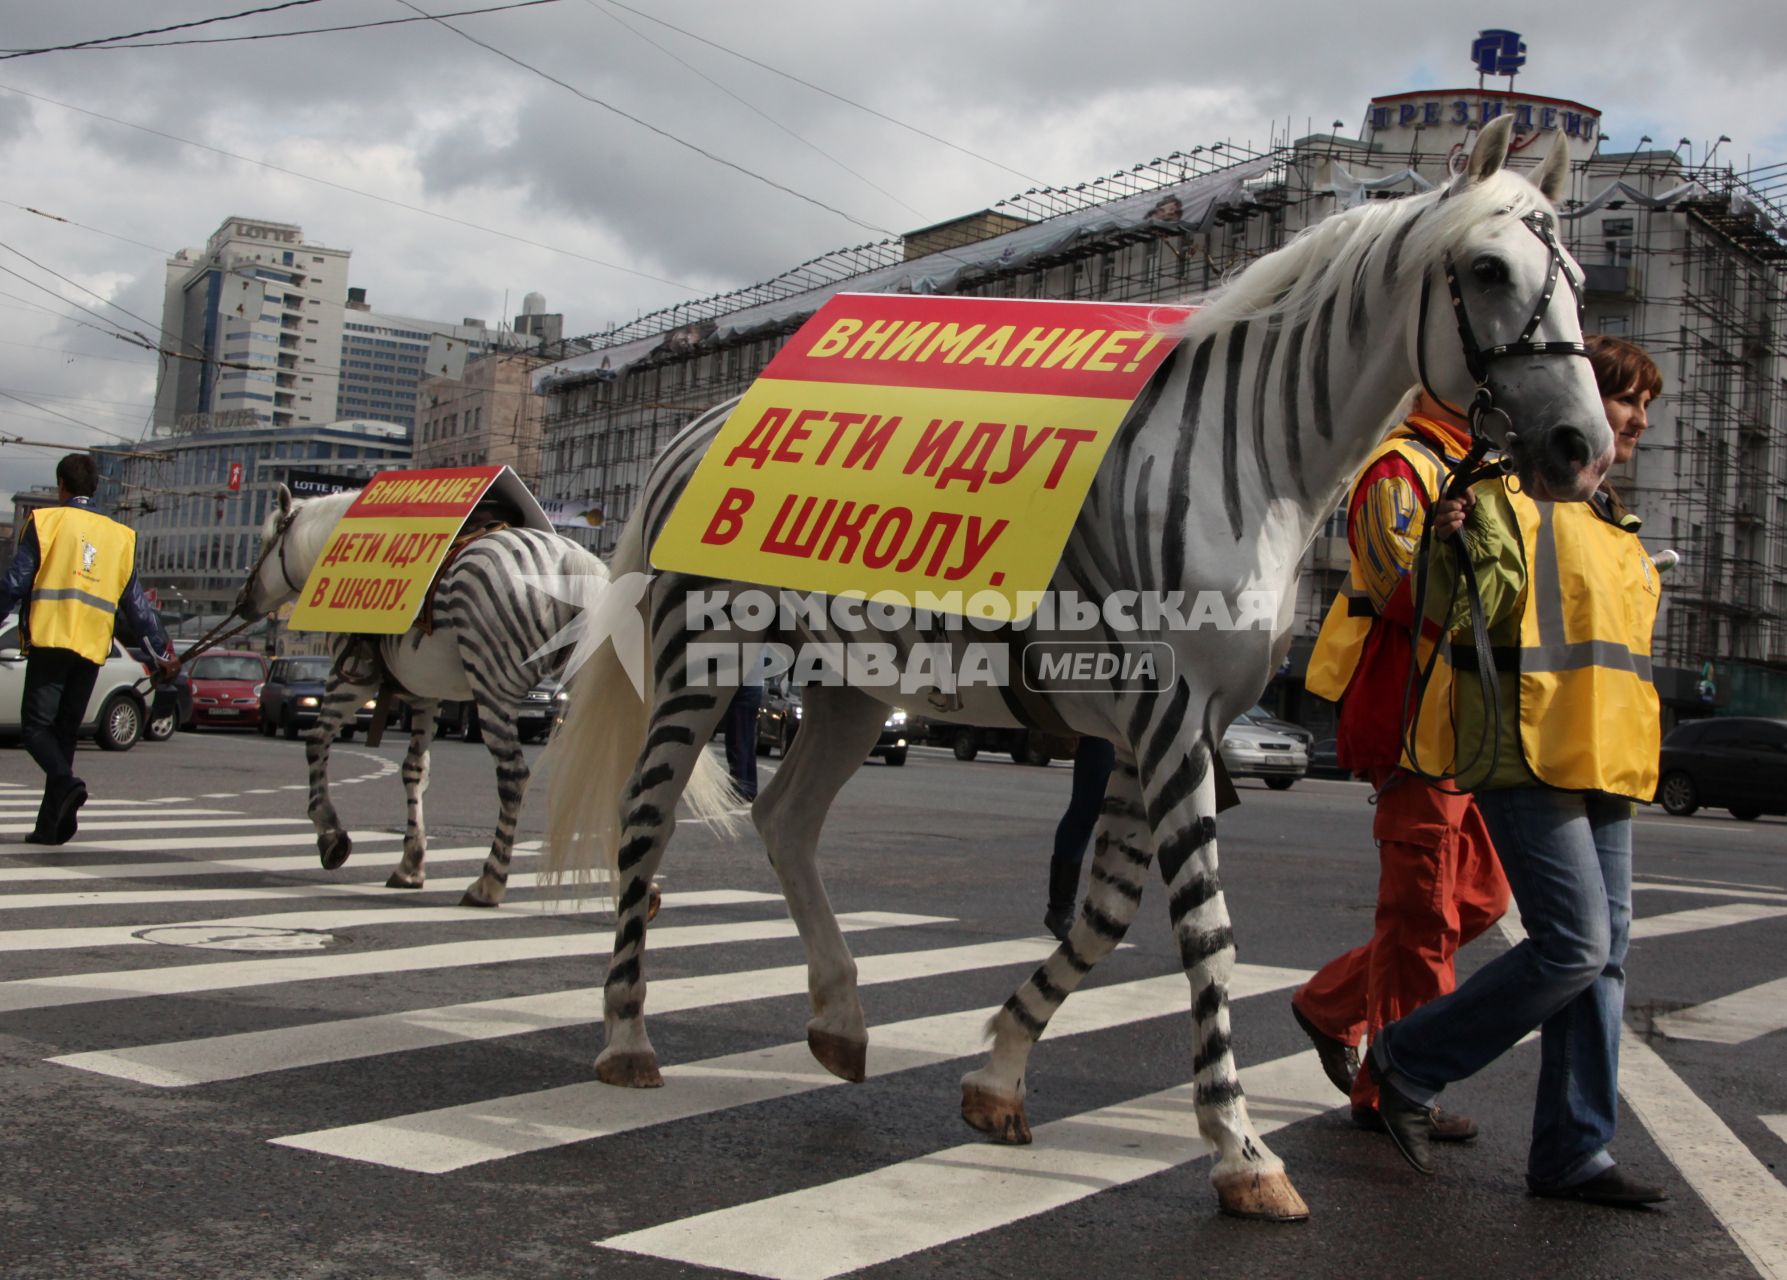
389,141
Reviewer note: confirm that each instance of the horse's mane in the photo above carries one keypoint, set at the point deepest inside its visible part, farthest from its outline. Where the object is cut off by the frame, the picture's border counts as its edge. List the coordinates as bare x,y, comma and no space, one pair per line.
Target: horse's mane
314,519
1289,285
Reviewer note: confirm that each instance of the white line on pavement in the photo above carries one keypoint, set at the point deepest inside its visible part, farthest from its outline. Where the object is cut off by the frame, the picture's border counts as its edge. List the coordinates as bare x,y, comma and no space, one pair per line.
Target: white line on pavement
454,1137
876,1217
1737,1018
143,822
1662,926
1707,891
129,984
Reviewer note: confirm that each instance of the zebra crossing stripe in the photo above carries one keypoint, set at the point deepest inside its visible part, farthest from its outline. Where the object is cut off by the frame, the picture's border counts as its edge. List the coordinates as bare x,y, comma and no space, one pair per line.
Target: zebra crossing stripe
455,1137
125,935
1737,1018
442,884
168,844
128,984
251,1053
1776,1123
1709,891
1749,1201
143,822
1704,918
28,804
918,1204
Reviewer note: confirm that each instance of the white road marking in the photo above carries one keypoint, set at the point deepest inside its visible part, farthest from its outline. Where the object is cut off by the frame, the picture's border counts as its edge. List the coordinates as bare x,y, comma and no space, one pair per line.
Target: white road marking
1708,891
1745,1197
443,884
1776,1123
142,822
1722,884
192,866
1662,926
127,984
125,935
1737,1018
898,1210
454,1137
251,1053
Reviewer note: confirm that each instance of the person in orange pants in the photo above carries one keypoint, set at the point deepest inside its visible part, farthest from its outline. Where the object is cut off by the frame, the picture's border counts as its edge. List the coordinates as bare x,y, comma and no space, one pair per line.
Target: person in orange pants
1439,883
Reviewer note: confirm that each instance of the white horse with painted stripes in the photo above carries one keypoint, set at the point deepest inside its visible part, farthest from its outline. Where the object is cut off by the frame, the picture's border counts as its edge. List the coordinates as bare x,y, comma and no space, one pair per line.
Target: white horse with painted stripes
1222,473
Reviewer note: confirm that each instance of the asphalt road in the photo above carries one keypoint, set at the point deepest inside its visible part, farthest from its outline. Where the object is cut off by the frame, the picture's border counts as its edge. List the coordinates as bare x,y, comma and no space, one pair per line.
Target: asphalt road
218,1060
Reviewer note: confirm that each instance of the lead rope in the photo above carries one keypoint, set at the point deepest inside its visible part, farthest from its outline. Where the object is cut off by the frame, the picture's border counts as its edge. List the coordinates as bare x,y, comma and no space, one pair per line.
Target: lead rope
223,631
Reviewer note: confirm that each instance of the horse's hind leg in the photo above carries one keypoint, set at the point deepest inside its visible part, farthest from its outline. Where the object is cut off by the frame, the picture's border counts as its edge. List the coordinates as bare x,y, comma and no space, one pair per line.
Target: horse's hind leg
504,744
839,727
993,1095
1250,1181
682,722
410,873
341,695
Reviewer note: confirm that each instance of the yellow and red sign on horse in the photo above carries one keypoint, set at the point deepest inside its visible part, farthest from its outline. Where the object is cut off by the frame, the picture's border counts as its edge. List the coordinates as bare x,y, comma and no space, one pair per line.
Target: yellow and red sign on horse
920,446
376,567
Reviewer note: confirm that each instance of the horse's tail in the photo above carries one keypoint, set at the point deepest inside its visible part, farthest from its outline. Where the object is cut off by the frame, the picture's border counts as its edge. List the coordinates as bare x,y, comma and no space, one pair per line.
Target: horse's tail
596,749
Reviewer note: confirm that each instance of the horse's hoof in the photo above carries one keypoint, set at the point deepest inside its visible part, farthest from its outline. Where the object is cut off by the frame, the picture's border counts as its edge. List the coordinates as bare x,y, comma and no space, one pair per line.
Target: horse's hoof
654,903
399,881
1002,1118
629,1070
334,849
469,901
845,1059
1263,1197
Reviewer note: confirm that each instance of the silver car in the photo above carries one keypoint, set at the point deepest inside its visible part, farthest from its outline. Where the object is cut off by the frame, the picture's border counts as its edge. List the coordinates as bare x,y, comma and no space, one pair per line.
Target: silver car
117,711
1253,751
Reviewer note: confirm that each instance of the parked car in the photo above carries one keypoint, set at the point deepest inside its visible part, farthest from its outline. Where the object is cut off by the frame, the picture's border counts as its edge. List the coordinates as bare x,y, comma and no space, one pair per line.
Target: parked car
292,698
1324,760
171,704
1251,751
1729,762
538,714
1258,715
116,713
226,688
778,721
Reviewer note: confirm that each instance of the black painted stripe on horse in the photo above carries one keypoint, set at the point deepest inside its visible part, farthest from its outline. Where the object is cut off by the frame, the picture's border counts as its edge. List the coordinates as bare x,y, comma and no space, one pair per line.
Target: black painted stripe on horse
1323,405
1179,848
1291,387
1194,893
1178,513
666,735
1209,1002
656,776
1231,427
633,852
1198,945
1262,375
1024,1017
1211,1050
1131,891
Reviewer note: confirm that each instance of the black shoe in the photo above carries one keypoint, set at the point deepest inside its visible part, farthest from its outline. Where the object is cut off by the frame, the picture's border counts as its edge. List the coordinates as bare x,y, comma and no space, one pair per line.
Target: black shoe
66,809
1409,1124
1446,1126
39,837
1610,1187
1058,923
1340,1062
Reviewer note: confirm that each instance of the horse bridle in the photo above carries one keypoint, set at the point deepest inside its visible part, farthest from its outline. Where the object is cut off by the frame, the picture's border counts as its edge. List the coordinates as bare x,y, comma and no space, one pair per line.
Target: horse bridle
1467,472
223,631
1477,357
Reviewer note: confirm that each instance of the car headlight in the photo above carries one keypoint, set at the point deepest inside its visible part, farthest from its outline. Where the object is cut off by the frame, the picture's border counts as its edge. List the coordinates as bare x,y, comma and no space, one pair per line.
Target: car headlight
897,719
371,704
309,701
257,690
797,713
561,696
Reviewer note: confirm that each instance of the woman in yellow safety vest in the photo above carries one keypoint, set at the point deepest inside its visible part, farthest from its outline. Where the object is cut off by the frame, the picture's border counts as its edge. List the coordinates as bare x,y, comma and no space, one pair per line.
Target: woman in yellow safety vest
1556,767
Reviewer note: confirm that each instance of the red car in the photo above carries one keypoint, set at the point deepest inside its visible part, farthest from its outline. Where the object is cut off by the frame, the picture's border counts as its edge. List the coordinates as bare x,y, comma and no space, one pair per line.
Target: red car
226,688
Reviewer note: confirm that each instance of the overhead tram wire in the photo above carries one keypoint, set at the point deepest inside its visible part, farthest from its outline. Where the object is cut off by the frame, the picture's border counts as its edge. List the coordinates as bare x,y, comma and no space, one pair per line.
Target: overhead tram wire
65,417
107,301
652,128
748,106
355,191
838,97
317,31
113,235
155,31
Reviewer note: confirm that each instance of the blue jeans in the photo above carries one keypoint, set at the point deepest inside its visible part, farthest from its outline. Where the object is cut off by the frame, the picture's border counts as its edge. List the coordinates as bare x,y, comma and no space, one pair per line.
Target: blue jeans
1568,858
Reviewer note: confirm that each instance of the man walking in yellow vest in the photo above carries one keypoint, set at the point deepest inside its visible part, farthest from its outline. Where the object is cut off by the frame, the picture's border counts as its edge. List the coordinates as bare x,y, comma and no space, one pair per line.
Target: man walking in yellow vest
74,573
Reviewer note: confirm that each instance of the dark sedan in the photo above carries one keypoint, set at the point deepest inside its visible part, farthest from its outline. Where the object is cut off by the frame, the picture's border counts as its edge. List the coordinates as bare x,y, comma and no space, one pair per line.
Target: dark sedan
1730,762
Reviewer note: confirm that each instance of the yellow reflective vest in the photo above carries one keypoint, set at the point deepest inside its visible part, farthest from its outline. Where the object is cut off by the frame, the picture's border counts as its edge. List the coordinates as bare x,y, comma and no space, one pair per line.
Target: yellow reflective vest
1588,707
1349,619
84,564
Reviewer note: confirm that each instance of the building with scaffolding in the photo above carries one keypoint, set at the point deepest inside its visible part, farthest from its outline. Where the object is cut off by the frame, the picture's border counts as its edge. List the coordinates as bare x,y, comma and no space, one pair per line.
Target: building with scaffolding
1685,258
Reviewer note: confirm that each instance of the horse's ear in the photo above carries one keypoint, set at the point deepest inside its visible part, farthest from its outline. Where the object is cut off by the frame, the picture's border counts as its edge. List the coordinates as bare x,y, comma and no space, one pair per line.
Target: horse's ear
1491,151
285,500
1553,173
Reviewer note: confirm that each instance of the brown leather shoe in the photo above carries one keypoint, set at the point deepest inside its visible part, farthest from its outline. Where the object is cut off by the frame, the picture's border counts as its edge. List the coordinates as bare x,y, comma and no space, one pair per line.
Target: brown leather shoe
1444,1126
1340,1062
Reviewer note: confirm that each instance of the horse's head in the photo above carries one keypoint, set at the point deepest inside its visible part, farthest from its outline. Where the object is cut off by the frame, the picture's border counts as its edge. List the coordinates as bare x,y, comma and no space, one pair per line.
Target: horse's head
270,583
1500,329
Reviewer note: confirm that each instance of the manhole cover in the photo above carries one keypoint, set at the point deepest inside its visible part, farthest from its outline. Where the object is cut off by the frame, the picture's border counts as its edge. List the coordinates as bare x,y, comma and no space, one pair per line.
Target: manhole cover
238,937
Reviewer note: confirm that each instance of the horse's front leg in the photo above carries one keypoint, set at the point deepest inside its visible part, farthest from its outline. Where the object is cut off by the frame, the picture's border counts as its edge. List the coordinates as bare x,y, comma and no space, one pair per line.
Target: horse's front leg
340,698
1250,1181
496,712
410,873
993,1095
837,731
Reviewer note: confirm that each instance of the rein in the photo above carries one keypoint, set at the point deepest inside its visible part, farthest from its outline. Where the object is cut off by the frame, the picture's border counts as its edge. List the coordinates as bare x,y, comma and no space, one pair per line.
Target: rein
223,631
1466,472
